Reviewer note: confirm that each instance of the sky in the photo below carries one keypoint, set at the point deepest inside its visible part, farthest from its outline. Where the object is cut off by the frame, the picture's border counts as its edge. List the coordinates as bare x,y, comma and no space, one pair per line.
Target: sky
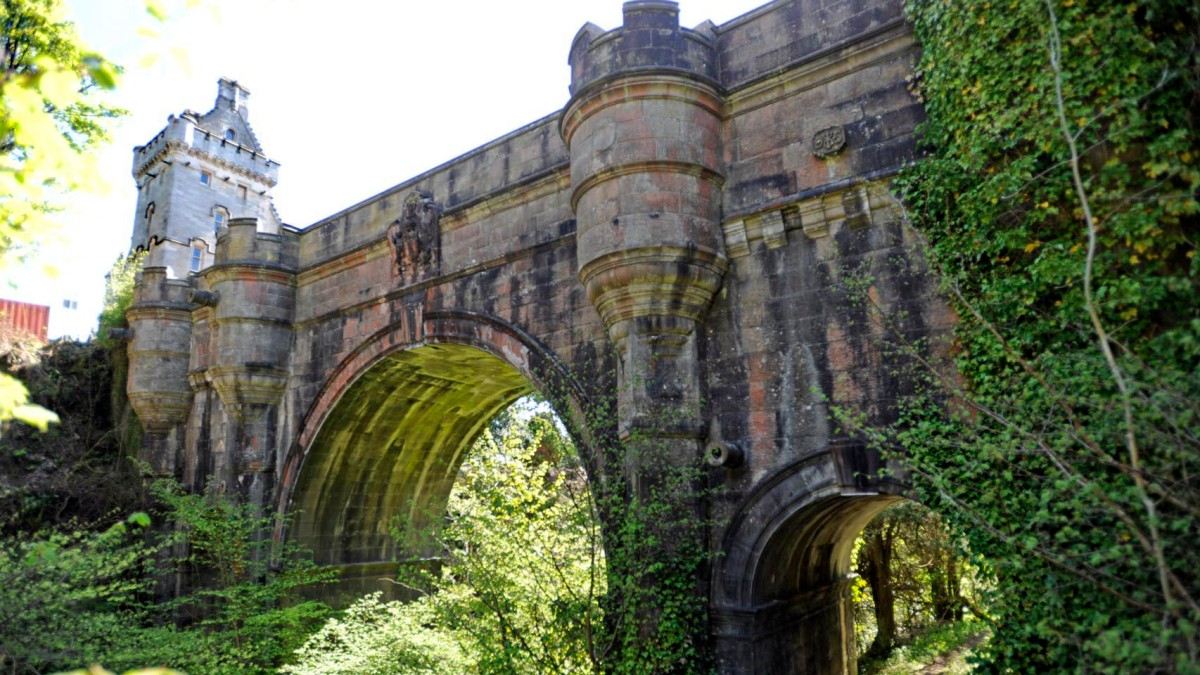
350,97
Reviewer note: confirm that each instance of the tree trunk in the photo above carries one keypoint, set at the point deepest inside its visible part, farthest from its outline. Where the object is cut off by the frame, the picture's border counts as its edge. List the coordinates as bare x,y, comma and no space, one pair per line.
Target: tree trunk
875,564
947,600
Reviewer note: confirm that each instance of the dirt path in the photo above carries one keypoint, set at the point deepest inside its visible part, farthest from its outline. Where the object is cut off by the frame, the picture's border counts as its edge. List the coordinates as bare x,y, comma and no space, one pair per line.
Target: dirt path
943,662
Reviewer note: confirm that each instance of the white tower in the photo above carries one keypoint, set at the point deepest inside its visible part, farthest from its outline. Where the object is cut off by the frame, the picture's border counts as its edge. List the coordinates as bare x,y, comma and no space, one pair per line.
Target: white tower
196,174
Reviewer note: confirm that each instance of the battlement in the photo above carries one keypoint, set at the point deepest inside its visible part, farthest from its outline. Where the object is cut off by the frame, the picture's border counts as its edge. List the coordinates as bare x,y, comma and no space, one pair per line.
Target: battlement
242,243
157,288
650,40
184,134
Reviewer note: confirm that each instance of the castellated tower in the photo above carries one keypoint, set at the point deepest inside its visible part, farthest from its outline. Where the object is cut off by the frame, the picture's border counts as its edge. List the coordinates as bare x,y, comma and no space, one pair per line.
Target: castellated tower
210,320
194,176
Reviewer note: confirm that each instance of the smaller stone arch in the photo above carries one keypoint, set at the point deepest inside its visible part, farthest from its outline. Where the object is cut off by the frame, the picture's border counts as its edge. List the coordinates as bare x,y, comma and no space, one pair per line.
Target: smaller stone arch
780,600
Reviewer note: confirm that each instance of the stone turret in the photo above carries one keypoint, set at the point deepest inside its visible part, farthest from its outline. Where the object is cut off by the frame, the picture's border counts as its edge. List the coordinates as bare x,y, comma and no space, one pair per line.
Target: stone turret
643,130
251,291
159,348
232,96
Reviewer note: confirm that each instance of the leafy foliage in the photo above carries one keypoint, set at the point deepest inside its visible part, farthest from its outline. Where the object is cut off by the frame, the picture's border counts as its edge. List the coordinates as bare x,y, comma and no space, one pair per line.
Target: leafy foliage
946,648
656,557
1059,201
245,597
524,564
912,578
47,125
68,597
75,595
47,120
118,294
385,638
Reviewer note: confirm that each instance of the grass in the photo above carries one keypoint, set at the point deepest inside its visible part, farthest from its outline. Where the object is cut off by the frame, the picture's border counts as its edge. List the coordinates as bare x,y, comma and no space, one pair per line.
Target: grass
941,649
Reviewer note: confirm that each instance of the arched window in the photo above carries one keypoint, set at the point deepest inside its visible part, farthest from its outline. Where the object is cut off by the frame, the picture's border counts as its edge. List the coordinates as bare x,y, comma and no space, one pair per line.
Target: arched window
220,217
197,256
149,211
230,134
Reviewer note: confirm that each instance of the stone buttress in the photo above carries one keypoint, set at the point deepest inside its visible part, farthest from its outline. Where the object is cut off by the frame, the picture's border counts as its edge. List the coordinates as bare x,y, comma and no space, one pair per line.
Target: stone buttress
160,328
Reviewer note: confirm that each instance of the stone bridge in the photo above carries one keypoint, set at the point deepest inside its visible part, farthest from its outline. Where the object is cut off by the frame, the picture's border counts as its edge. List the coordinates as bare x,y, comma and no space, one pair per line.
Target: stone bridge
674,244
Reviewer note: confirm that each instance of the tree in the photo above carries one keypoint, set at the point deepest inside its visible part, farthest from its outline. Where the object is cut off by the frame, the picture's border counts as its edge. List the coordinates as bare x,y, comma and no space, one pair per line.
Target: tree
1058,200
48,124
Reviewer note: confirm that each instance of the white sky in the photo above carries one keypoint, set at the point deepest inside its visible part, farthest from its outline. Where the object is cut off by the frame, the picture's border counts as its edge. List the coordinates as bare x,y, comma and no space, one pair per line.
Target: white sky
350,97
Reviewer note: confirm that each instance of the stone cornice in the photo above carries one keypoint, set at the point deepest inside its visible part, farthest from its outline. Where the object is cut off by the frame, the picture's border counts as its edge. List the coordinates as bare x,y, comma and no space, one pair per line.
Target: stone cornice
650,167
861,202
248,271
160,310
184,148
834,62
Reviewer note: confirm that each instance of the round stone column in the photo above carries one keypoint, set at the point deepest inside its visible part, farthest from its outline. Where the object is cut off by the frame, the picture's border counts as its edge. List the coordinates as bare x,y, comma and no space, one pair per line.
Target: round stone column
643,128
644,132
160,326
252,294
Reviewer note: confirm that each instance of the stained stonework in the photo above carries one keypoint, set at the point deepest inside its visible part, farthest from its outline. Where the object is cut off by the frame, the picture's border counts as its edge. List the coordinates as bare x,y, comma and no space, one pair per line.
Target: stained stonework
678,242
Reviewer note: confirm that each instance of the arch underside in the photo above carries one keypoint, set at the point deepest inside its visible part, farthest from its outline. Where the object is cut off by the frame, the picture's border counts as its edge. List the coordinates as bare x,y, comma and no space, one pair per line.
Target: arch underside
390,449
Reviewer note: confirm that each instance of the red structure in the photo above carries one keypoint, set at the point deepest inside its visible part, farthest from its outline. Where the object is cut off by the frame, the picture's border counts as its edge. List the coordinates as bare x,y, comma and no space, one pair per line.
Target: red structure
25,317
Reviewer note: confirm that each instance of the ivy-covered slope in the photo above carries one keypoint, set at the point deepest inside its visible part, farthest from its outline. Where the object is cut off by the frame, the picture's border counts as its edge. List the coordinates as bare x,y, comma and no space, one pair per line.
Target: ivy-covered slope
1059,200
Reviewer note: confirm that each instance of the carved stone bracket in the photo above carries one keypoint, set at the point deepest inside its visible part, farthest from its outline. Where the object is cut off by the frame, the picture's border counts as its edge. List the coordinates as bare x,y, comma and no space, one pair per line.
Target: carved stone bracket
204,298
773,233
858,205
736,243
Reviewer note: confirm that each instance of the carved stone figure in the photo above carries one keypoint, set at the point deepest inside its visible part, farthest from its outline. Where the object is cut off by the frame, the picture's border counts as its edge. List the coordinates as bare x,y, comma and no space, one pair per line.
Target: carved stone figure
415,238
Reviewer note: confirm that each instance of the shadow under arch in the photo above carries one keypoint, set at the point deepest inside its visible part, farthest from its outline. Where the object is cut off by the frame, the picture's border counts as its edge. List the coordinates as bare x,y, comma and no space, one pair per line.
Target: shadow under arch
780,601
384,439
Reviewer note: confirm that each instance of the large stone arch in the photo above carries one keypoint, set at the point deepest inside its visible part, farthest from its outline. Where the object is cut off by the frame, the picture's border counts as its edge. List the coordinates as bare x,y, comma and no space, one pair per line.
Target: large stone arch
780,600
383,441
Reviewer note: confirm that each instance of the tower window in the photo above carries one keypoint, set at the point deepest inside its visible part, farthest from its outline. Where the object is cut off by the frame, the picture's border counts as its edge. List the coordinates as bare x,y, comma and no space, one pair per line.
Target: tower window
230,134
242,192
197,258
205,178
220,217
149,210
